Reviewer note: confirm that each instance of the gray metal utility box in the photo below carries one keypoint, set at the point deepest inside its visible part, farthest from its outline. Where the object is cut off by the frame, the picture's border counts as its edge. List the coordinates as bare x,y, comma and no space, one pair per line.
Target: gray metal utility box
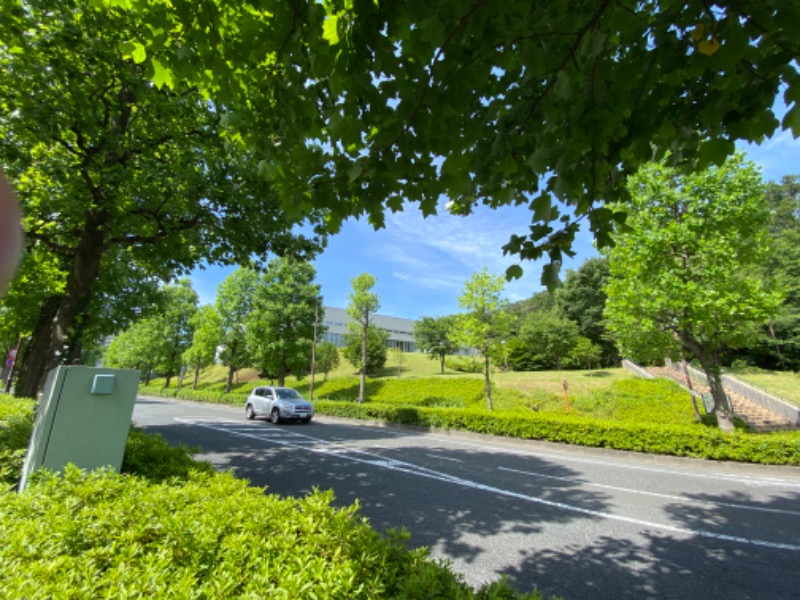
83,418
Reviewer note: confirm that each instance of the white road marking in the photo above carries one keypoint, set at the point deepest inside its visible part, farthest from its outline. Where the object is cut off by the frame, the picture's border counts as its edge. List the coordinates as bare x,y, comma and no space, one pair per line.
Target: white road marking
751,480
411,469
680,498
440,457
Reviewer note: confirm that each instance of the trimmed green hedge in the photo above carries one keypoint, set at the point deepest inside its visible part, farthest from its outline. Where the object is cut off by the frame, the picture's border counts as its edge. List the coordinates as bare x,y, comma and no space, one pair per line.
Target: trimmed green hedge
104,535
680,440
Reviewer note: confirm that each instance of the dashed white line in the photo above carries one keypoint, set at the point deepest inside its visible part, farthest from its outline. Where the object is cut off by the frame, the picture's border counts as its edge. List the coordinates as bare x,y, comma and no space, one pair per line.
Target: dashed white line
448,458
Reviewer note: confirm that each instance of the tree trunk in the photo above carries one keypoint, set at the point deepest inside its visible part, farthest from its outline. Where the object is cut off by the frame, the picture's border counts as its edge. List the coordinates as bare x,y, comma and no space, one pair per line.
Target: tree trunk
281,374
441,362
778,348
229,383
362,379
691,391
181,375
314,352
60,313
488,382
196,376
169,378
709,360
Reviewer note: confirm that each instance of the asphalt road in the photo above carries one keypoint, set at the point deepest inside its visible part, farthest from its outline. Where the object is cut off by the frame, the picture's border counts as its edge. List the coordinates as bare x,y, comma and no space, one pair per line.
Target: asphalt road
575,522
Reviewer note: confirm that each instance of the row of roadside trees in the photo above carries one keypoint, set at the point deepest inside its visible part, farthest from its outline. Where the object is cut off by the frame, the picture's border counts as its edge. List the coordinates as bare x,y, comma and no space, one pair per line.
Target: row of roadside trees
265,320
270,320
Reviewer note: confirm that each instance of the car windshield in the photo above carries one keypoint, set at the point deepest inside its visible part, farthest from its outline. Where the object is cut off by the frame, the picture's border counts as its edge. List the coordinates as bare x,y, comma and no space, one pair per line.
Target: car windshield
288,394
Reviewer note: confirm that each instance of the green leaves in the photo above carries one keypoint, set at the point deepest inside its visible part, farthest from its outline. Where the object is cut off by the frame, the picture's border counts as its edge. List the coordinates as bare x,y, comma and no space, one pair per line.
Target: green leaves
513,272
280,326
161,75
134,50
686,273
715,152
211,535
791,119
507,101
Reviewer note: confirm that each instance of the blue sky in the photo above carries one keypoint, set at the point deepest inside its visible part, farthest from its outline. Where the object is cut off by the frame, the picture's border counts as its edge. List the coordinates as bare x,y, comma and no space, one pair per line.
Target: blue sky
421,264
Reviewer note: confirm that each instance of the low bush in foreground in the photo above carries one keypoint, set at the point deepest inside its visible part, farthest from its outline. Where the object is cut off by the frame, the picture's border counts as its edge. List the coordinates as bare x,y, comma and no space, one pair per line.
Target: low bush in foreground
16,424
104,535
147,455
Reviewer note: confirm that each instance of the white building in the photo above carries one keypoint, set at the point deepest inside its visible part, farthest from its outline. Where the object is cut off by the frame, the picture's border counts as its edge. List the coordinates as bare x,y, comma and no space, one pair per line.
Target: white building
401,331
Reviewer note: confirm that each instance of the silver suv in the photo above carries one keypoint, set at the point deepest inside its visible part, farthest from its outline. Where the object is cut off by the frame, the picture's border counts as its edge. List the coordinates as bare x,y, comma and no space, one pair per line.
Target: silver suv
278,404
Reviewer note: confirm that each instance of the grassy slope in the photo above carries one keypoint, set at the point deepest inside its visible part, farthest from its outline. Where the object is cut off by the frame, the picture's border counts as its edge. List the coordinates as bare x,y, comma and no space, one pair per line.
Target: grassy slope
412,378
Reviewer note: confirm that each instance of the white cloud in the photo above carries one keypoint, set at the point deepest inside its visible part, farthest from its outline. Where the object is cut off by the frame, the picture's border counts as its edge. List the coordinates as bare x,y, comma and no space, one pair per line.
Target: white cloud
441,252
434,282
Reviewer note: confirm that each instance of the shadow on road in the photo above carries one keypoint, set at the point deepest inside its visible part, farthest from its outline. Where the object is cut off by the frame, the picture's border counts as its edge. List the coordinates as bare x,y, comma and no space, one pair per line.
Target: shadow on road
454,510
671,566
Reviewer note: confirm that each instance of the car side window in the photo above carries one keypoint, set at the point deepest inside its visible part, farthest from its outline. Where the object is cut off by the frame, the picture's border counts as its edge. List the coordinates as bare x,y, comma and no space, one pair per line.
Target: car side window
260,392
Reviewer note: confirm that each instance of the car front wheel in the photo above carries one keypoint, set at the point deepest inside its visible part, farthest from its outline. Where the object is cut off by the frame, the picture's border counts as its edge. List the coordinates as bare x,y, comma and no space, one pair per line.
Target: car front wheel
275,416
249,412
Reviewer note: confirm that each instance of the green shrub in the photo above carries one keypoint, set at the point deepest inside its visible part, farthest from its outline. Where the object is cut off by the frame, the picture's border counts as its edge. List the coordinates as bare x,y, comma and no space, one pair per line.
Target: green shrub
464,364
638,401
204,395
680,440
150,456
424,391
103,535
16,424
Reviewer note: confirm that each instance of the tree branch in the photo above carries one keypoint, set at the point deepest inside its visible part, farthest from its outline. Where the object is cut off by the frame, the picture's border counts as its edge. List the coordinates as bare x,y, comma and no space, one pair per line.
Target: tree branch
570,55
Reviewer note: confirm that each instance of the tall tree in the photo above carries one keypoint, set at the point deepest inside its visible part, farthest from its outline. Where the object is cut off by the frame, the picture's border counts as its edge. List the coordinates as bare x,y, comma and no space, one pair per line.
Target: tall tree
280,328
687,270
160,340
180,305
363,304
115,174
779,344
140,347
582,299
545,340
485,325
432,335
234,305
550,104
207,333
